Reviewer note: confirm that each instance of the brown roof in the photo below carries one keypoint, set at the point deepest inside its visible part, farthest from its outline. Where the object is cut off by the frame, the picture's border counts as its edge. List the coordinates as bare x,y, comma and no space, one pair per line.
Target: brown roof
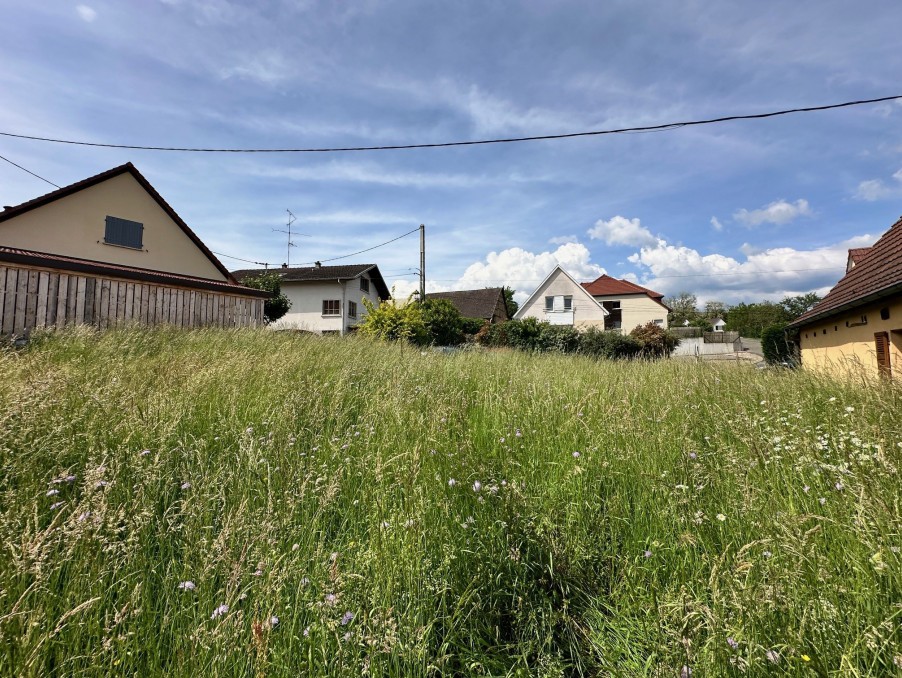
605,286
15,255
877,275
474,303
109,174
322,273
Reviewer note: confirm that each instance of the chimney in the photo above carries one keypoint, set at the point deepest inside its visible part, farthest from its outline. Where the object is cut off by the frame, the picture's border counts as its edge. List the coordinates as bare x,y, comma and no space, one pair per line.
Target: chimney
319,264
284,265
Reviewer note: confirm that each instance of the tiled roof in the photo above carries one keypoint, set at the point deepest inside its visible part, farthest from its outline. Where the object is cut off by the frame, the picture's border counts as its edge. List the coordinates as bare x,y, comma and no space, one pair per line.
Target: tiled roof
605,285
473,303
109,174
16,255
877,275
322,273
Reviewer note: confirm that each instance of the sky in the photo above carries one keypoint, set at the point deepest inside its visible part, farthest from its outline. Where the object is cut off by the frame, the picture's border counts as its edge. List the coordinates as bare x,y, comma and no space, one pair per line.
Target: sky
738,211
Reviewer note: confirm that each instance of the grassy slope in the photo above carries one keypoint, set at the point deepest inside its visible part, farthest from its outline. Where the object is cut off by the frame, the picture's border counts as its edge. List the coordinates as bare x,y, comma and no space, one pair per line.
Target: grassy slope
703,505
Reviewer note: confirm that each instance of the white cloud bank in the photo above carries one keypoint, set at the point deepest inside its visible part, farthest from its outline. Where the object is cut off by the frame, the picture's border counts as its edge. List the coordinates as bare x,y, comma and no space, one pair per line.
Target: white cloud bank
779,212
622,231
86,13
877,189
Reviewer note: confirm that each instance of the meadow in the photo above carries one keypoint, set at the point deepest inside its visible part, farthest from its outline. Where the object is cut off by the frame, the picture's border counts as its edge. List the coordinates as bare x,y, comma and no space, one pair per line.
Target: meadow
241,503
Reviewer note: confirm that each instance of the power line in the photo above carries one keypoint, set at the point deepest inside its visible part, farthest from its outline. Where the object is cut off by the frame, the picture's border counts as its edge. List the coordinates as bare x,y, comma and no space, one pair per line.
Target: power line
478,142
247,261
368,249
37,176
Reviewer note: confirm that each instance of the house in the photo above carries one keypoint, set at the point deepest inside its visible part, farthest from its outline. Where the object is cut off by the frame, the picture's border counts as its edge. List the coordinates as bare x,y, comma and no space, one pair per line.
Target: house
856,330
560,300
487,304
629,305
326,299
107,250
719,324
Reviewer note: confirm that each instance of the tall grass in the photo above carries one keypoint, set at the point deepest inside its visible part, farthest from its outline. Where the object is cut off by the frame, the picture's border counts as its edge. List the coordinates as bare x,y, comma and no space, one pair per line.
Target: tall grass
366,509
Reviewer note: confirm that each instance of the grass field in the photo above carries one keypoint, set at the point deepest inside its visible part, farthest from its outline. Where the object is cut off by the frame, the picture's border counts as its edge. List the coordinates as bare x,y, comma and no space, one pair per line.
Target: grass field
261,504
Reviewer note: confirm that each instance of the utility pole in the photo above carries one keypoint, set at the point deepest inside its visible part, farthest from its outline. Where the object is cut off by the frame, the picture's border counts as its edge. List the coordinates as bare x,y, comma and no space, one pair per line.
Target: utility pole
422,263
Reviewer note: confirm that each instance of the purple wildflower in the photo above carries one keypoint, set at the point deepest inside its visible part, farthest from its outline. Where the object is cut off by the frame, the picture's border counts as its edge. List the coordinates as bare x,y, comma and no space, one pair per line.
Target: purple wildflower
647,553
693,455
52,493
576,455
55,506
69,479
839,486
101,483
307,632
187,585
346,618
84,516
144,453
219,611
732,643
273,621
330,599
258,572
186,486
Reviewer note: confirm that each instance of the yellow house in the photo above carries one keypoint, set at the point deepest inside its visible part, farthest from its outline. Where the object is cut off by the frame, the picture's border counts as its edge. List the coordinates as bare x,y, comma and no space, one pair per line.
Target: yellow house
856,330
629,305
109,249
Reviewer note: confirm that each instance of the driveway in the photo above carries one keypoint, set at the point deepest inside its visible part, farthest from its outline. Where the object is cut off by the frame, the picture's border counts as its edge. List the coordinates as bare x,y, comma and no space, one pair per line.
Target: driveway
753,345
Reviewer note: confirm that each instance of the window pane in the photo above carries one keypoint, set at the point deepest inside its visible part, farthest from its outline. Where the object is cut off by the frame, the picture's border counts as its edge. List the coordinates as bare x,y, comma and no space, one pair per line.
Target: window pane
549,303
568,303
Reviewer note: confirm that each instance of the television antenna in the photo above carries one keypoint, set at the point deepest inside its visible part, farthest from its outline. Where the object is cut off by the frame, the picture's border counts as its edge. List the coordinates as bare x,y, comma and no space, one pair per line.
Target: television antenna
287,229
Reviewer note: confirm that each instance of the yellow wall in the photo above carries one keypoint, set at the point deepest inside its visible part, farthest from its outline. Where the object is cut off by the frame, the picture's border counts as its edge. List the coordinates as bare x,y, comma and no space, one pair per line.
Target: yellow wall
637,310
830,347
74,226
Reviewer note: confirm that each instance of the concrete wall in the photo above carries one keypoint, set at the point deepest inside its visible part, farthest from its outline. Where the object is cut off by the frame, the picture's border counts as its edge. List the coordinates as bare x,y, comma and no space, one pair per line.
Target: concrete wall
832,347
585,313
637,310
74,226
307,298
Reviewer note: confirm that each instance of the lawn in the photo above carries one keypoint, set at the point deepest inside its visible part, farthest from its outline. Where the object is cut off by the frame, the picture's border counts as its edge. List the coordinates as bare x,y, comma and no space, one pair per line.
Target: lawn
244,503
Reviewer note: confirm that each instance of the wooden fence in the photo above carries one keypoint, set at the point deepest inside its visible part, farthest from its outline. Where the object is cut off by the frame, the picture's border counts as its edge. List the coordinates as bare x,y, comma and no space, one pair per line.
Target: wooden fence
721,337
32,298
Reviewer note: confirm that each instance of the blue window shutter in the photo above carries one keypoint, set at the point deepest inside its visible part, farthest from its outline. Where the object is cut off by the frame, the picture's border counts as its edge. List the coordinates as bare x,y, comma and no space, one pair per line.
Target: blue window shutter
124,232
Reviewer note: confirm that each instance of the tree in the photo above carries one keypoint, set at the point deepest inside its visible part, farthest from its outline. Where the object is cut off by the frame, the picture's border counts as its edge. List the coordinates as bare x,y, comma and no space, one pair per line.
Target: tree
715,309
390,321
656,342
777,347
682,308
512,306
750,320
443,322
796,306
278,304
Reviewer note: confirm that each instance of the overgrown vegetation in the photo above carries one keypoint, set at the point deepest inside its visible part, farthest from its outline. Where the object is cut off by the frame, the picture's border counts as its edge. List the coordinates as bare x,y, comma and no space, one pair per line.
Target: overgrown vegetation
778,346
749,319
250,503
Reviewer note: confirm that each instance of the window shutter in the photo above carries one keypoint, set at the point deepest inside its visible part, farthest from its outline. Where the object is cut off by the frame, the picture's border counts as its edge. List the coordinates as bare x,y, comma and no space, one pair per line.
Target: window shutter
881,341
124,232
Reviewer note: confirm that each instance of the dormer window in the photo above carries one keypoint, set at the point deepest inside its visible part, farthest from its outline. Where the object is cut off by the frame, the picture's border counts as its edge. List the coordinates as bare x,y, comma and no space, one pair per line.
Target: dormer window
124,233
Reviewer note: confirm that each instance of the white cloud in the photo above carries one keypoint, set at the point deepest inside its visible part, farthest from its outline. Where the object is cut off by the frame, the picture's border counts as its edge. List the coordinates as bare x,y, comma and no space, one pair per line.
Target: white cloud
265,67
517,268
765,274
622,231
715,222
779,212
876,189
563,239
86,13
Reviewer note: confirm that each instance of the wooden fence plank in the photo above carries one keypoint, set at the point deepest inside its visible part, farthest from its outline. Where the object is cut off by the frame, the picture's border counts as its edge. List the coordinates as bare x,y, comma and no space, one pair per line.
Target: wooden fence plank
21,295
43,290
129,306
31,302
103,313
62,295
8,311
52,293
89,310
80,298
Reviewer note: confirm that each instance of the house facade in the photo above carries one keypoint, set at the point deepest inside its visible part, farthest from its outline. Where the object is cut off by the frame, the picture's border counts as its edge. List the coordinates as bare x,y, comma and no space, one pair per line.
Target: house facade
629,305
110,250
326,299
561,300
486,304
856,329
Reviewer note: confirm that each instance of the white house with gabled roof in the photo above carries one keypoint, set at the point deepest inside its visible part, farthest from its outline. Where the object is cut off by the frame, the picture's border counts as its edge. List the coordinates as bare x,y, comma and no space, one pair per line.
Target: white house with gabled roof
561,300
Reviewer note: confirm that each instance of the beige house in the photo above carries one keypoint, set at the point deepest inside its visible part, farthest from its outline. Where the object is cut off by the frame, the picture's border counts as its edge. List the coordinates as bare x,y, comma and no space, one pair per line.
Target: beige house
110,249
856,330
326,299
560,300
629,305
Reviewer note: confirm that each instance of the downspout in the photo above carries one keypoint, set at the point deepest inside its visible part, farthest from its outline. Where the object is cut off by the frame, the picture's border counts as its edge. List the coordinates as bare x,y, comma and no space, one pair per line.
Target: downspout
343,303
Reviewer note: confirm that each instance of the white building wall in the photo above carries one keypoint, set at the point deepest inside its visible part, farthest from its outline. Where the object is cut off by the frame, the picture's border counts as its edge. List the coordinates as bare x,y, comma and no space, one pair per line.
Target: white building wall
637,310
355,294
584,312
306,312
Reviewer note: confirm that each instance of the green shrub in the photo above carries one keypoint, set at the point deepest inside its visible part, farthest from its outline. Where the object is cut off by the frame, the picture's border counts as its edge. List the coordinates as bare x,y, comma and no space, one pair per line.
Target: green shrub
390,321
777,347
443,322
278,304
656,342
558,338
472,326
612,345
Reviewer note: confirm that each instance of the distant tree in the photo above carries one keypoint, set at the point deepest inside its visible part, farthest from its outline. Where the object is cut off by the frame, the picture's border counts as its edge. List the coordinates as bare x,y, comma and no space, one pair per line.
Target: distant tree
443,322
278,304
512,306
715,309
796,306
750,320
682,308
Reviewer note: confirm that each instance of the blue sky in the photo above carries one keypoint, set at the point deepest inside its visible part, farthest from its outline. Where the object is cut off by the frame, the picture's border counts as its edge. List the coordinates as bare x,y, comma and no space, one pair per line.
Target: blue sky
740,211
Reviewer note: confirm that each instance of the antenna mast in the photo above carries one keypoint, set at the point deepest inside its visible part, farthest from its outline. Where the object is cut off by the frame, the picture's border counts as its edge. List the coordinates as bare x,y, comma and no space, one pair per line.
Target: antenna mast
291,220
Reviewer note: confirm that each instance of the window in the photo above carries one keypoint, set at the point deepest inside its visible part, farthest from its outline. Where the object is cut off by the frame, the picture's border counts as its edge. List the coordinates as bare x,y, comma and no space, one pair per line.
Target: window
124,233
331,307
615,305
884,313
352,309
549,303
364,284
568,303
659,322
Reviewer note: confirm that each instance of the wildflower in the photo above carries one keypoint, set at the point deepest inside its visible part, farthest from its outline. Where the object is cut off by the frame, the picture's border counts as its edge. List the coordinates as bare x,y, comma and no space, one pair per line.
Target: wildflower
839,487
451,482
100,483
346,618
477,486
295,547
693,455
850,409
806,489
767,554
304,581
647,553
219,611
346,637
258,572
273,621
772,656
52,493
333,556
249,430
385,524
330,599
732,643
576,455
186,486
409,523
84,516
69,479
822,500
806,658
307,632
721,517
144,453
187,585
55,506
502,439
518,433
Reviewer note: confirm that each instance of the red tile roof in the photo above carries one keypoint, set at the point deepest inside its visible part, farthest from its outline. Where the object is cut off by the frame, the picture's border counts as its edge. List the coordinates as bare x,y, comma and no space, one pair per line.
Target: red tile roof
109,174
875,276
605,285
15,255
